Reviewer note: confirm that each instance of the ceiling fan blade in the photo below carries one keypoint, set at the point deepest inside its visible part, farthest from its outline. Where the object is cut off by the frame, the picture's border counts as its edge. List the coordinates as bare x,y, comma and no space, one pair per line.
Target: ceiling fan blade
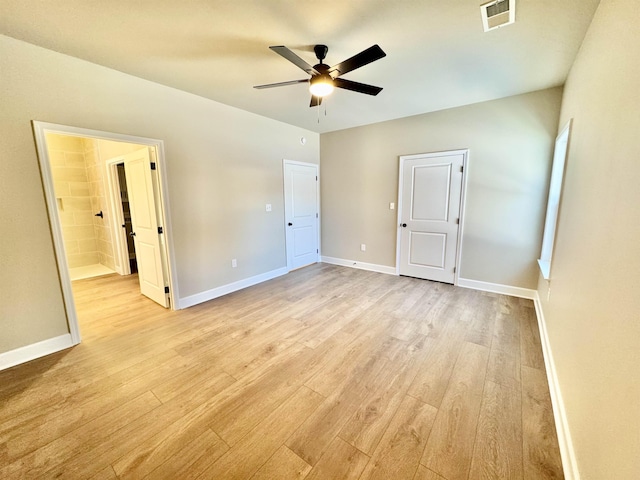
315,101
293,58
356,87
369,55
281,84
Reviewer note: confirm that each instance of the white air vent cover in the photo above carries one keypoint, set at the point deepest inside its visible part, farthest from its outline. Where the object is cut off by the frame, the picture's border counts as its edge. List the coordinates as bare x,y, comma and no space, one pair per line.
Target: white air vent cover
498,14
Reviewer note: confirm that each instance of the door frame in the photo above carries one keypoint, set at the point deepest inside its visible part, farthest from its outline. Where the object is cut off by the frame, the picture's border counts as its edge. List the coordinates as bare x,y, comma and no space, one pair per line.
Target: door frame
40,129
284,192
463,196
115,207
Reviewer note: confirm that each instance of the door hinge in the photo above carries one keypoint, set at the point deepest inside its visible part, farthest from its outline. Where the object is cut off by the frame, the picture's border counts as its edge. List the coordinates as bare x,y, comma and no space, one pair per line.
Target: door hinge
462,169
317,251
454,269
316,215
153,165
457,221
166,289
316,178
160,231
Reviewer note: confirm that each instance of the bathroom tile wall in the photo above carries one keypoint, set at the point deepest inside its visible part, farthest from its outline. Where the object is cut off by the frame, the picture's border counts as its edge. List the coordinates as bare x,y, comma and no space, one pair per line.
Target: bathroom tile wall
99,202
72,191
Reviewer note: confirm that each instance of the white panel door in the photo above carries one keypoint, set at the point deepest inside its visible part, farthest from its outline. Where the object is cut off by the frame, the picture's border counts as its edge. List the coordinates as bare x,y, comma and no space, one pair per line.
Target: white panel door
301,213
431,189
137,169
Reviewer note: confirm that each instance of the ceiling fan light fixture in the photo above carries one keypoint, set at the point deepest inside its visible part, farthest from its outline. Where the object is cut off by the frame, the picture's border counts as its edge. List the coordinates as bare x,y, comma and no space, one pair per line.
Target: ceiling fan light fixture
321,85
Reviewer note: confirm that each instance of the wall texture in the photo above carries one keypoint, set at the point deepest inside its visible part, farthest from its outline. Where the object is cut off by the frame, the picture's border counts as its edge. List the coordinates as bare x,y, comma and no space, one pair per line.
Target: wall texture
592,310
511,145
223,165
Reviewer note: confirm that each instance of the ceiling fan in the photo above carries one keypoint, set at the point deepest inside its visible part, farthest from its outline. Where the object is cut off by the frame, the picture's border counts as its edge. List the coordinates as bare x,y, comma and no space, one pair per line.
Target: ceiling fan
325,78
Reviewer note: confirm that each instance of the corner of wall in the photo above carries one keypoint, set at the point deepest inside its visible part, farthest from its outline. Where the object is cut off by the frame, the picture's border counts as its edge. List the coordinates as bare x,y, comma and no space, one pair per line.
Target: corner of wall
569,462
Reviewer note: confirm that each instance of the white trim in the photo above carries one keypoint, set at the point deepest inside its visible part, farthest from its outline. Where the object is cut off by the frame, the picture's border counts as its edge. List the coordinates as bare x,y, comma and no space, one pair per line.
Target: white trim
497,288
284,193
567,453
463,202
35,350
202,297
554,199
115,209
545,268
372,267
163,193
40,129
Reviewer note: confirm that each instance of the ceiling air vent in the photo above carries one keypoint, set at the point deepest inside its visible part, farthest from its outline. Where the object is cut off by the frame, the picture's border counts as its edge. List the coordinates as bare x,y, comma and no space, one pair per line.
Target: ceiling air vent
498,14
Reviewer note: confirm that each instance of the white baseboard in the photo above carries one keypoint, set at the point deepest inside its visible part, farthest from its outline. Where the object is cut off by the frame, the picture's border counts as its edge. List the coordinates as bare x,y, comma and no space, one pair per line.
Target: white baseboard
569,462
202,297
372,267
36,350
497,288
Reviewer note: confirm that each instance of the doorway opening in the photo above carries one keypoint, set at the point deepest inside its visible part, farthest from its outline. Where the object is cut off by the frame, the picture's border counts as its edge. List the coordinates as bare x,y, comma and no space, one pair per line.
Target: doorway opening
100,188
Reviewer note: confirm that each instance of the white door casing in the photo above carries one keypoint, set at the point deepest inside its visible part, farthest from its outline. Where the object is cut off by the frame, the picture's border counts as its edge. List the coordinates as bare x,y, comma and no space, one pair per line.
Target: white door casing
301,208
144,222
430,200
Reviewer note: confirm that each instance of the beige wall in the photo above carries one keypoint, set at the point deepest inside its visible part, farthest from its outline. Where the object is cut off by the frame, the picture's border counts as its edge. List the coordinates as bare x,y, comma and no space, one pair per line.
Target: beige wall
511,144
223,165
593,311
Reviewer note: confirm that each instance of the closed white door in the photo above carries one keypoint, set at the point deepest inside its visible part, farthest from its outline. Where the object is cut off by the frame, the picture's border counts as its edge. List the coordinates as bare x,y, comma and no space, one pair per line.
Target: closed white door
301,213
144,221
431,189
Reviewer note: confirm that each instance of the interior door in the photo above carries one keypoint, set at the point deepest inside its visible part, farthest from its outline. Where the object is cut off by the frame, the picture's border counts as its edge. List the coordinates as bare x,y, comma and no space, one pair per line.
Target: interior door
431,189
144,221
301,213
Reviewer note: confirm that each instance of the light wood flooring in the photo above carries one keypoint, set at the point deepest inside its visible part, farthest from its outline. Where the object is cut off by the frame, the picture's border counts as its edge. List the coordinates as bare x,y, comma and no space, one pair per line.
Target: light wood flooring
325,373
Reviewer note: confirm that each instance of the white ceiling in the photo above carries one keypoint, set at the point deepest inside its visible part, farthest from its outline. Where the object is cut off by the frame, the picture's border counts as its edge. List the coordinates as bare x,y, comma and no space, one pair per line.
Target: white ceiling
437,54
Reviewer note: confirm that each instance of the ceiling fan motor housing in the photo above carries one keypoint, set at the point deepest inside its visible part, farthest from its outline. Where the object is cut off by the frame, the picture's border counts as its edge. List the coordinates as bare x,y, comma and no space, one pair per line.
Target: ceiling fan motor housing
321,52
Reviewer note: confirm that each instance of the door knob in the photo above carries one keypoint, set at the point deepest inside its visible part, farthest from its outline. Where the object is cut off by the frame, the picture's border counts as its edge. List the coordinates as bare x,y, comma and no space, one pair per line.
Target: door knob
404,225
290,224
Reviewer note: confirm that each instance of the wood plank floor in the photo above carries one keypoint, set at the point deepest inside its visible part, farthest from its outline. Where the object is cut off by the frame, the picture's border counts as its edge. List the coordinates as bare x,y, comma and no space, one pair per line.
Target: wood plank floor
325,373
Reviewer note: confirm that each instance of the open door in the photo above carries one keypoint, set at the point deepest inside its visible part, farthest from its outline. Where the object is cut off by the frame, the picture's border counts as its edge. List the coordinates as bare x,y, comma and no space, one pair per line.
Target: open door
146,235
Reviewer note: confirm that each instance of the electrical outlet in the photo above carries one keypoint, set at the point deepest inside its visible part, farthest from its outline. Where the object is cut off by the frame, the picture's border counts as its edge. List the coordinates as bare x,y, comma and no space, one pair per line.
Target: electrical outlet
363,247
268,207
234,263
